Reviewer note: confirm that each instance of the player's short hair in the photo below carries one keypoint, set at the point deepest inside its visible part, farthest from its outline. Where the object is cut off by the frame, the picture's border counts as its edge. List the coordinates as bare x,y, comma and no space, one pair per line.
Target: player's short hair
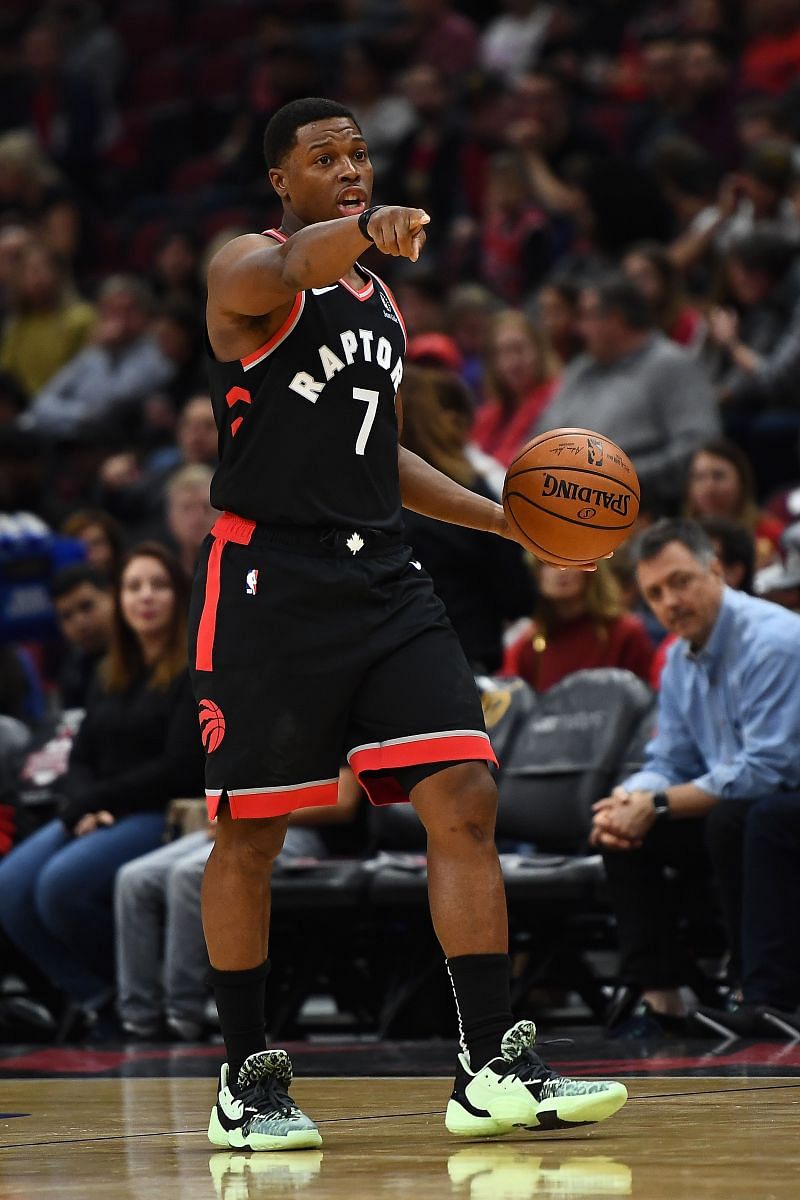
280,136
76,575
674,529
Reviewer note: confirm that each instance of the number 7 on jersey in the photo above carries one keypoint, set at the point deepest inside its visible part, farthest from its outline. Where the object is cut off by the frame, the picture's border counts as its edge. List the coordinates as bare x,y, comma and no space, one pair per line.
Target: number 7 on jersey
370,398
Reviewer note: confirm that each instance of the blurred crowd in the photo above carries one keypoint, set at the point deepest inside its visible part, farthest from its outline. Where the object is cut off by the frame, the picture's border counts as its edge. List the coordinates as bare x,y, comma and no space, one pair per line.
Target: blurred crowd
614,191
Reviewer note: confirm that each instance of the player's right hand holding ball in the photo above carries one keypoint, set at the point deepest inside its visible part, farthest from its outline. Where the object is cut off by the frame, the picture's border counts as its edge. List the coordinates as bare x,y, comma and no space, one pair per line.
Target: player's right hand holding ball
399,231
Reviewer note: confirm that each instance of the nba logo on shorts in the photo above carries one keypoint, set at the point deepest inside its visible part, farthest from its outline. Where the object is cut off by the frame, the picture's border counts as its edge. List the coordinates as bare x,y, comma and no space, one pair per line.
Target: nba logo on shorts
252,581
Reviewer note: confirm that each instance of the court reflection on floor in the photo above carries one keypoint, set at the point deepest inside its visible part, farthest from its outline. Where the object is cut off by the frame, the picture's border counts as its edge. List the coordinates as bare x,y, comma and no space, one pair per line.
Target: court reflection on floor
478,1172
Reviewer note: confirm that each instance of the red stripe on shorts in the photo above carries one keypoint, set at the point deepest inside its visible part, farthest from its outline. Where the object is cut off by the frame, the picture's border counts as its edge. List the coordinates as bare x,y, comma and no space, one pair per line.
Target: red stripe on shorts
228,528
412,752
275,802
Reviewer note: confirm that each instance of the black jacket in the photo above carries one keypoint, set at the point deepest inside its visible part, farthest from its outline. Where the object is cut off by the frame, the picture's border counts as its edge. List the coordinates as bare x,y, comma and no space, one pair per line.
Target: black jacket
135,751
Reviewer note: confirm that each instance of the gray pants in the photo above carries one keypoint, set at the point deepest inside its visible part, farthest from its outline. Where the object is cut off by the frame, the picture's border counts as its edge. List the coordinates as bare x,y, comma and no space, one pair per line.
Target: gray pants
161,952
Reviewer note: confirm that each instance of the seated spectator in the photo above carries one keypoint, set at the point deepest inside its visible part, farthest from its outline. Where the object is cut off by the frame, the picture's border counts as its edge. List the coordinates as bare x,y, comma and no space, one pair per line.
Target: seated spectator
655,117
437,350
106,379
754,333
707,93
635,386
551,139
558,315
758,192
520,378
470,308
137,748
735,547
62,106
720,484
579,622
512,41
175,276
162,962
102,538
515,244
383,117
753,352
134,493
84,605
189,512
482,580
708,765
424,171
178,332
30,186
15,240
48,323
649,266
780,581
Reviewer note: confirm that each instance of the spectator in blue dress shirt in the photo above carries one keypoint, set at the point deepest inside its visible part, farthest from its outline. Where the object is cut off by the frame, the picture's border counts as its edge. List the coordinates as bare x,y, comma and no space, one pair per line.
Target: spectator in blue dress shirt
724,758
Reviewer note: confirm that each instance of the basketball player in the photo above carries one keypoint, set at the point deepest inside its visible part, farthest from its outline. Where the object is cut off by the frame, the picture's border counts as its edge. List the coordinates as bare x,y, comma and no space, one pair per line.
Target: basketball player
316,635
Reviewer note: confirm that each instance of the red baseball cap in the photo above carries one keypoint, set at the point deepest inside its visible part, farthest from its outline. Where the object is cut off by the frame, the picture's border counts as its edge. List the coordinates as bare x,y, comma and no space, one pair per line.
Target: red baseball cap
435,348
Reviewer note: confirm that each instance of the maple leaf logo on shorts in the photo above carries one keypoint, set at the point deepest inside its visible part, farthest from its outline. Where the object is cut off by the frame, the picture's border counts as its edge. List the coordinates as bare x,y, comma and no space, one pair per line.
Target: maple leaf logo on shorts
355,543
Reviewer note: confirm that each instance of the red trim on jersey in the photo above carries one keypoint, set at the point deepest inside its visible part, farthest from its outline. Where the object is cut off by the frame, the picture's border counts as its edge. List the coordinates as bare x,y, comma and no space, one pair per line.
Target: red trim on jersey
361,294
227,528
275,802
412,752
279,336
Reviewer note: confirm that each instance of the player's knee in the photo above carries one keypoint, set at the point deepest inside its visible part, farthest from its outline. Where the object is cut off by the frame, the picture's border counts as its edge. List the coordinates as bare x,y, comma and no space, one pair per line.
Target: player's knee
254,843
460,803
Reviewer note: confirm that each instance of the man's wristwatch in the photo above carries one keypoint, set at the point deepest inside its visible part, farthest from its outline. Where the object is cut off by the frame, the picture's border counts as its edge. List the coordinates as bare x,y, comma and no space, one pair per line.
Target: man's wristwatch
364,220
661,805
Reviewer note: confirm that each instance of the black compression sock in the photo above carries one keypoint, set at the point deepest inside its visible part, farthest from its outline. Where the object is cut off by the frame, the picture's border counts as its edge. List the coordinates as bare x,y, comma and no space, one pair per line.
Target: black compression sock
240,999
482,987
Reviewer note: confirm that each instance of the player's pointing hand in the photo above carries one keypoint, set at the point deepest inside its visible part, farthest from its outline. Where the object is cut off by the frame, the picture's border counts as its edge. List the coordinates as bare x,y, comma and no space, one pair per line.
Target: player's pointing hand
399,231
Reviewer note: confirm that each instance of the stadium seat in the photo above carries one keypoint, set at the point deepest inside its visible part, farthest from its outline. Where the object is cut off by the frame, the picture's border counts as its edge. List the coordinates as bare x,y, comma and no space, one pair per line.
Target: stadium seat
566,755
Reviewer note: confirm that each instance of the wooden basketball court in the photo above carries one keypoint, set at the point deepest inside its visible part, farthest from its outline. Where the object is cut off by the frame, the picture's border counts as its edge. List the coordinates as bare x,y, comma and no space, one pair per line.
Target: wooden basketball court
144,1139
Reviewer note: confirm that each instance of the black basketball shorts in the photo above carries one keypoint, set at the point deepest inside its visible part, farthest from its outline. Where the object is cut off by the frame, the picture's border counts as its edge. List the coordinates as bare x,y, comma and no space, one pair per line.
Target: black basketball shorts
307,648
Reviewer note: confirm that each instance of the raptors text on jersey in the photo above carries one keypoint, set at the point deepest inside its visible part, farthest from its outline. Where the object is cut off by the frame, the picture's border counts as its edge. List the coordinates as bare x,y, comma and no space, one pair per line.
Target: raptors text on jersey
307,423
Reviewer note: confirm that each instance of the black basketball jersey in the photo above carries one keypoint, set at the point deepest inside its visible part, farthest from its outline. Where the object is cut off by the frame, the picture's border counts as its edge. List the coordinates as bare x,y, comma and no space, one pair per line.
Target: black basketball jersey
307,423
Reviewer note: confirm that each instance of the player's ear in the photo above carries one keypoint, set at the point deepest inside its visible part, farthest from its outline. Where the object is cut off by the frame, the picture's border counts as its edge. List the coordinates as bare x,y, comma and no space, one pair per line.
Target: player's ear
278,179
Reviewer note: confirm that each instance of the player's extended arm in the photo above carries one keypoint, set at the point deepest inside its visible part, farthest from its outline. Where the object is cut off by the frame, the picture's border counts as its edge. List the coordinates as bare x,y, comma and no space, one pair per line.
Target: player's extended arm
252,275
425,490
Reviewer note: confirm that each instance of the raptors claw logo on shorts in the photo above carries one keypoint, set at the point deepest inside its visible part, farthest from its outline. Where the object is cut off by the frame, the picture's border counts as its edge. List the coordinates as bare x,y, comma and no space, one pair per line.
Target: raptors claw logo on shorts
212,725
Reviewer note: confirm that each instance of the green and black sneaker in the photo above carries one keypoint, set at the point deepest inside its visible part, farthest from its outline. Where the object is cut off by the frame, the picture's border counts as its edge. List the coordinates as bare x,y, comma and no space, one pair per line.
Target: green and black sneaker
259,1114
518,1091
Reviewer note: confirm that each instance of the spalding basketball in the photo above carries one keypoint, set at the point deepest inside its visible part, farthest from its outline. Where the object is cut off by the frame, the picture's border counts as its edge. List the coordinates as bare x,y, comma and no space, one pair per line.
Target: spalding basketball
573,495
